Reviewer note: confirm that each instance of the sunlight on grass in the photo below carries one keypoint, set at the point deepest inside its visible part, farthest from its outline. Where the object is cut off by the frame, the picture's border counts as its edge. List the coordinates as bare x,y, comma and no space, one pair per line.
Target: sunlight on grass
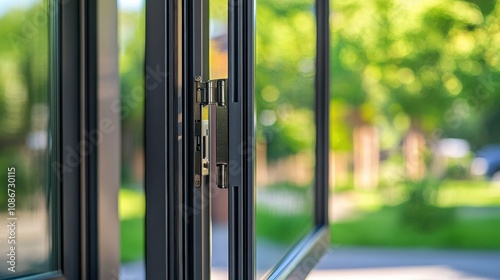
384,228
368,200
451,194
377,223
131,207
131,204
469,193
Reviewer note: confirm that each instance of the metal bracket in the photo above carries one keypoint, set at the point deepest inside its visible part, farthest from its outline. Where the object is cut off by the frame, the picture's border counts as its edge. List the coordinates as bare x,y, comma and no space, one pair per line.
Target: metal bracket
211,132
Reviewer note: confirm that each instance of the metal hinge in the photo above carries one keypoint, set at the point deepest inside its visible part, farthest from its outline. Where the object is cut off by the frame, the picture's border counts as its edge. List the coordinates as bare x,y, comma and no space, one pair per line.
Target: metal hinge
211,132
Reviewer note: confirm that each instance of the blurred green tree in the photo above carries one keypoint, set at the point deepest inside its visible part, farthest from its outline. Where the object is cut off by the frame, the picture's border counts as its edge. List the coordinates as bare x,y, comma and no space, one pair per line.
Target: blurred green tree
422,60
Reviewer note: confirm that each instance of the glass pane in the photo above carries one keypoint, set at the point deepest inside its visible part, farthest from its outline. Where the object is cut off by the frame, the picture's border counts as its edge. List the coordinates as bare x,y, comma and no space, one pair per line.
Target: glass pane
28,138
285,71
131,31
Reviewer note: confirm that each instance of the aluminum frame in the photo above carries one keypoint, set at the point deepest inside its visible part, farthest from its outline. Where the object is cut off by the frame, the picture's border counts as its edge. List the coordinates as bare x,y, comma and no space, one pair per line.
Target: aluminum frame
241,41
100,134
197,210
177,213
69,83
157,149
165,207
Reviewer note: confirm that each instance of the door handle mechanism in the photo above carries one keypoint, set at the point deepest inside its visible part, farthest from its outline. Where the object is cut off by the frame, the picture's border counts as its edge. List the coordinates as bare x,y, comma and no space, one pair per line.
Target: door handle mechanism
211,132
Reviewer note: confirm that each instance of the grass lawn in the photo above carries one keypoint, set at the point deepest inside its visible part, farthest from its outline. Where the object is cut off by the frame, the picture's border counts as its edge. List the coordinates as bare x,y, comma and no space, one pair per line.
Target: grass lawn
380,225
375,225
131,239
131,208
383,228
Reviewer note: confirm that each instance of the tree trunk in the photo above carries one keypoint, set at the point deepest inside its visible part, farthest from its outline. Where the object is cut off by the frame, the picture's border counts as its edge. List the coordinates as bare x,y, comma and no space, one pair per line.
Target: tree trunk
413,151
366,156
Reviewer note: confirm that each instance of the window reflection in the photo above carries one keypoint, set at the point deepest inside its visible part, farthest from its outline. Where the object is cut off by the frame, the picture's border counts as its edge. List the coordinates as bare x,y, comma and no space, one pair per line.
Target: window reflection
285,71
27,139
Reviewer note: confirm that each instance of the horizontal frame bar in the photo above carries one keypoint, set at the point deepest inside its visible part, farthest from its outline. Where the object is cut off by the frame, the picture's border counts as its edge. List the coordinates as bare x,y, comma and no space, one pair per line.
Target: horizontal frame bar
304,256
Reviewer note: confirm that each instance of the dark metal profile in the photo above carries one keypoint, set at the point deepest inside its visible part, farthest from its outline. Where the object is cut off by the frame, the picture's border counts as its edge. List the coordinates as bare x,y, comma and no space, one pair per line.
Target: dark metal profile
69,121
101,137
322,112
241,140
90,181
160,183
177,213
304,256
196,210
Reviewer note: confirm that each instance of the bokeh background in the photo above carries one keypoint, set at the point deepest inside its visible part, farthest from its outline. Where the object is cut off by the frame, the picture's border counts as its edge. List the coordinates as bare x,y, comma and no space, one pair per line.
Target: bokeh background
414,129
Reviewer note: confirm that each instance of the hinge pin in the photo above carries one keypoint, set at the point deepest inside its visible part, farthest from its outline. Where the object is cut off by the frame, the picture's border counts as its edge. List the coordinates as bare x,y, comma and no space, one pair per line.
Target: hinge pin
211,131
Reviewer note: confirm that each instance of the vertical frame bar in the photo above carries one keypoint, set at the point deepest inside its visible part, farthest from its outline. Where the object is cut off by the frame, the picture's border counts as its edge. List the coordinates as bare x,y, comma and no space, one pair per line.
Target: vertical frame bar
69,120
89,116
195,43
165,221
156,141
101,137
241,139
322,112
177,213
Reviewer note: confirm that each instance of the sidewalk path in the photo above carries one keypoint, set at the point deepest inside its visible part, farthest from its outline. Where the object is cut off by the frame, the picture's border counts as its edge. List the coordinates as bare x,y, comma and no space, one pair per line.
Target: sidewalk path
383,264
359,263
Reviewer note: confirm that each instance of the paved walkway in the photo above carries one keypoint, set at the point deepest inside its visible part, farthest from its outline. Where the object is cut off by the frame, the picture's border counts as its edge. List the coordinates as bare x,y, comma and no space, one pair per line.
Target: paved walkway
402,264
386,264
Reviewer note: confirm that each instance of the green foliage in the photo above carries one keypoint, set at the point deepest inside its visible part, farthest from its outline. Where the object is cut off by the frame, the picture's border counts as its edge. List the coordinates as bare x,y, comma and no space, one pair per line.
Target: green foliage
419,210
284,84
381,227
457,171
25,86
433,61
292,133
281,225
132,89
283,229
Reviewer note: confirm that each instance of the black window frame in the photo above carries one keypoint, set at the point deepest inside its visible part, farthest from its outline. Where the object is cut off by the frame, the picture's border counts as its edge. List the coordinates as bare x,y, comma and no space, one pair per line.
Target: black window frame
177,231
70,114
164,244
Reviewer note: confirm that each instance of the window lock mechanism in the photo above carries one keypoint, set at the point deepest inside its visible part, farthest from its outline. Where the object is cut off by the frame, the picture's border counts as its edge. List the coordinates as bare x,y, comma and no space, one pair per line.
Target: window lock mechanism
211,132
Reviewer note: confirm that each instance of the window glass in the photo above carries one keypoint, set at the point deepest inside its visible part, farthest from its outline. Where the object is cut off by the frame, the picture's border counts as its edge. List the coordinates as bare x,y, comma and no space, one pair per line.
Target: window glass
286,130
131,34
28,138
